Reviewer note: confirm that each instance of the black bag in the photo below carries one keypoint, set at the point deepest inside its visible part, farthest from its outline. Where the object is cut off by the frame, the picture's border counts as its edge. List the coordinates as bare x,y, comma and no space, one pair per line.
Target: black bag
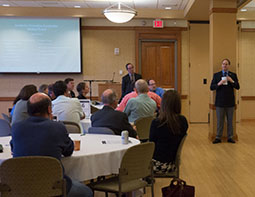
178,188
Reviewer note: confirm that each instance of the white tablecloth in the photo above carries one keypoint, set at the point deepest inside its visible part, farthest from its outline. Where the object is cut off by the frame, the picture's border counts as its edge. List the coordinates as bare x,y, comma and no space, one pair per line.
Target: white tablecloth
85,123
94,158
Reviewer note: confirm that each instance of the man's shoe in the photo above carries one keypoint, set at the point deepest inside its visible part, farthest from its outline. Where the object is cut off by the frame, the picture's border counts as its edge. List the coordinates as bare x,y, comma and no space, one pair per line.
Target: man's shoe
230,140
216,141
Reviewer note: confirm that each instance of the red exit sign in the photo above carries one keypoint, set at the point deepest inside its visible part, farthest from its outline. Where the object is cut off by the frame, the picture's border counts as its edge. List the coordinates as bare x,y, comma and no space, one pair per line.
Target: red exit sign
158,23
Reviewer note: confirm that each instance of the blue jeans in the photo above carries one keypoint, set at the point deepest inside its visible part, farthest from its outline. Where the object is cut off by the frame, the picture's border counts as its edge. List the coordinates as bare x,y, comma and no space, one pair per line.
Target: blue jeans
79,190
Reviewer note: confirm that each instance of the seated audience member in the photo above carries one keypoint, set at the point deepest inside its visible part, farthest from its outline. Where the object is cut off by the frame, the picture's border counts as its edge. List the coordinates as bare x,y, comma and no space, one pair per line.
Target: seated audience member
108,117
83,89
134,94
44,89
40,136
70,87
142,105
153,88
64,107
50,92
167,132
20,109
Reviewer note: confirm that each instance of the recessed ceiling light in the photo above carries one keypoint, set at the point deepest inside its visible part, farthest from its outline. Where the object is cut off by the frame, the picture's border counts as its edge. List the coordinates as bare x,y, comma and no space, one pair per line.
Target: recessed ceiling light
6,5
77,6
243,10
168,8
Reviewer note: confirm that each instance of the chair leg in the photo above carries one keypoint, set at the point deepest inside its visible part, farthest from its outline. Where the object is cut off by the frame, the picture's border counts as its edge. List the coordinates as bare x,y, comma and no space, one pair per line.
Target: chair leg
152,189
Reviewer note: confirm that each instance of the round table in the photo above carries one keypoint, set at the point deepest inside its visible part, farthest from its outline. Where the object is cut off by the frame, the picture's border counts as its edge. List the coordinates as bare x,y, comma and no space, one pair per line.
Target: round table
85,123
99,155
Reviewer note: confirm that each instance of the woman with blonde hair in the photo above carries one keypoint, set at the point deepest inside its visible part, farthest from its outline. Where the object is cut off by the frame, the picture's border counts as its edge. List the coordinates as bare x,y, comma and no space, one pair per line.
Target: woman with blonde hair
167,132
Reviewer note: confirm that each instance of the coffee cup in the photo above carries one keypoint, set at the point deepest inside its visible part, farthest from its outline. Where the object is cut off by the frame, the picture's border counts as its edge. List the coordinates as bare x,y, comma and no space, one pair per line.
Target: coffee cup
77,145
225,80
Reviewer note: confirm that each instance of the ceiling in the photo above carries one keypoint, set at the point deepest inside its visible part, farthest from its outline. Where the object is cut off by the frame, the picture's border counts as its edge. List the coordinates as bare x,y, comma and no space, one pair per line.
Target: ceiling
152,4
180,9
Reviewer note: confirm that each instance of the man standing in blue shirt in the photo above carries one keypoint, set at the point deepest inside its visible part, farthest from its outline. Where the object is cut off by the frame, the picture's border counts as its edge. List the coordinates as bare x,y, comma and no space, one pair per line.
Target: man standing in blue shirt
153,88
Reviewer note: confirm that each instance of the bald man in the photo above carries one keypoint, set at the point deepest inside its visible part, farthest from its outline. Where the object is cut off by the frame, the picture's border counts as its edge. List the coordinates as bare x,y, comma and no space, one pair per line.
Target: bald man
40,136
109,117
142,105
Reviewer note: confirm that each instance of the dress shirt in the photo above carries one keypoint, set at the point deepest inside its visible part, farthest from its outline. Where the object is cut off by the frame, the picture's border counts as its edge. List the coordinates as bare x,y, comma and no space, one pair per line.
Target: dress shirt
133,94
159,91
141,106
67,109
224,73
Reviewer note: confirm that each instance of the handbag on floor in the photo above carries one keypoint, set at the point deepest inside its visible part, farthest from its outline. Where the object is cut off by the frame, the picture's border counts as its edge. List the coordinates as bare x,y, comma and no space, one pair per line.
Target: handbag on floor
178,188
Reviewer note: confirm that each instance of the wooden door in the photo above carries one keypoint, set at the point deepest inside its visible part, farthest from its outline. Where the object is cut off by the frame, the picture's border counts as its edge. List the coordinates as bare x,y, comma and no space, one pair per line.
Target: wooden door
158,62
200,78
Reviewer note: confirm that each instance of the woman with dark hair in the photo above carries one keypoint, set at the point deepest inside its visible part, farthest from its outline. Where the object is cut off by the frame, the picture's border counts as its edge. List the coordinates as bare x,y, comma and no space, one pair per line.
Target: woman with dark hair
167,132
83,89
44,89
20,111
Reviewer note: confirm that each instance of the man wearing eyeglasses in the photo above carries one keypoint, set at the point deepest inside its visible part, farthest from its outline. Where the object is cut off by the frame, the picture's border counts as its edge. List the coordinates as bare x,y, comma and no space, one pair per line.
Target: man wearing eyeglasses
153,88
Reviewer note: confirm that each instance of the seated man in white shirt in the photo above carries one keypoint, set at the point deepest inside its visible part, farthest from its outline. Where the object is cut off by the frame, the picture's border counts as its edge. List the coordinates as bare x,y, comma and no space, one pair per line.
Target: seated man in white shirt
64,107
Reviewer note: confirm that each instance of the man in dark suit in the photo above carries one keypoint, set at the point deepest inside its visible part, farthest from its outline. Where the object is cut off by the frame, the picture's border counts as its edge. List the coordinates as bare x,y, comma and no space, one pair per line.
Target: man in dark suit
128,81
224,83
109,117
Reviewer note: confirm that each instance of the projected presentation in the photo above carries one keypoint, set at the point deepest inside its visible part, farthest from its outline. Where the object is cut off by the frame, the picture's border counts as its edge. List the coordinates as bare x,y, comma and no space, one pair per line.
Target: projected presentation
40,45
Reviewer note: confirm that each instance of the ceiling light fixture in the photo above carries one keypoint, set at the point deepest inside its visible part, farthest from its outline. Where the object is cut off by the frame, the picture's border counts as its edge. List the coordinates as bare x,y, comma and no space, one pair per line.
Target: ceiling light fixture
6,5
77,6
243,10
119,13
168,8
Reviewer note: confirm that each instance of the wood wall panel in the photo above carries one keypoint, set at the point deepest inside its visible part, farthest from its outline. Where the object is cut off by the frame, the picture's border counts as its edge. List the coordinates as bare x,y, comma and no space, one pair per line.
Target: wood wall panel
247,59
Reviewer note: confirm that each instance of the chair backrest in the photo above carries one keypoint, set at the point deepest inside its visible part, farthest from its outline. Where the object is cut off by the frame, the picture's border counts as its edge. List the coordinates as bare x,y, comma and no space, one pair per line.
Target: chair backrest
100,130
177,160
137,162
5,128
143,127
7,118
32,176
72,127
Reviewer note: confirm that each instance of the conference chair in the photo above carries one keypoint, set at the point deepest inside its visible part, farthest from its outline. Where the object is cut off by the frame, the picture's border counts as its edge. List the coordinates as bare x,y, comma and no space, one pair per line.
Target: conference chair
135,165
32,176
72,127
5,128
143,127
177,162
6,117
100,130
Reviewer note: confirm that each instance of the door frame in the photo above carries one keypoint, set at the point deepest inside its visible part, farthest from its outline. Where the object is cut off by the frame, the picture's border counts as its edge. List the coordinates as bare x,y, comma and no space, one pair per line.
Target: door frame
160,35
175,57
